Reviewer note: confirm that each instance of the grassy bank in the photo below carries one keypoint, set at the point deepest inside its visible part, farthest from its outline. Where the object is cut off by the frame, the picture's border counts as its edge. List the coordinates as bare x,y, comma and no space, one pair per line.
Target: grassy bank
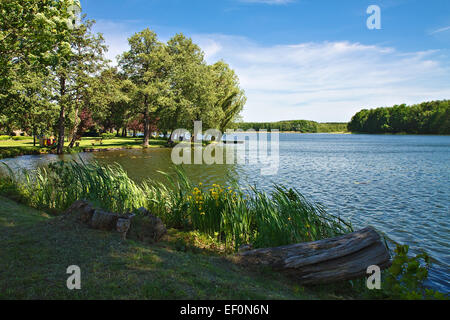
37,249
228,213
10,147
207,223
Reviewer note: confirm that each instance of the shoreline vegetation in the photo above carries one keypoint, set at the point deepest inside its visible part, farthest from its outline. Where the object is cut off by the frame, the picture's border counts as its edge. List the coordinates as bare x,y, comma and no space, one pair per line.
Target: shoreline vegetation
58,83
16,146
185,265
208,223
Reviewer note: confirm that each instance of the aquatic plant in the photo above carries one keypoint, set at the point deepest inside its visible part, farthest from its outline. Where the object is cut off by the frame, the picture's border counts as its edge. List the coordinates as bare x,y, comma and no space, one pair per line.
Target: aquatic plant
228,213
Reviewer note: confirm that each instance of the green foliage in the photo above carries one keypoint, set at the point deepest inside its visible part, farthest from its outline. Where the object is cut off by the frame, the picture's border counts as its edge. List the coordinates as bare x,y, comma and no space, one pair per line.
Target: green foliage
425,118
302,126
227,214
58,186
332,127
405,278
56,81
14,138
11,152
108,135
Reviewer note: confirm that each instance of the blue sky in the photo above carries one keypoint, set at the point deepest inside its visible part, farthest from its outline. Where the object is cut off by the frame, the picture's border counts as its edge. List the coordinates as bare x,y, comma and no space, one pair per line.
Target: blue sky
303,59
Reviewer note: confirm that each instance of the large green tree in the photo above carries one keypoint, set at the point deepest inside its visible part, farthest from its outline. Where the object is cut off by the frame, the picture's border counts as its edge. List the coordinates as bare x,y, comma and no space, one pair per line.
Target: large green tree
76,67
230,98
146,64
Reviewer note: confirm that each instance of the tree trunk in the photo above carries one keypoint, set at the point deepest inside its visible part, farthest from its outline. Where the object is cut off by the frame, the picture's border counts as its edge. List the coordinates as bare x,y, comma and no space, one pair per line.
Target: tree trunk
34,136
146,123
329,260
62,116
75,129
124,132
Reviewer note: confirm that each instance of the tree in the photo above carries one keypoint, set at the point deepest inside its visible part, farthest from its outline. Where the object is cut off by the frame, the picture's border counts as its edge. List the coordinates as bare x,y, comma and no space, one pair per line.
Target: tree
29,30
192,88
425,118
29,104
76,67
113,99
230,99
146,64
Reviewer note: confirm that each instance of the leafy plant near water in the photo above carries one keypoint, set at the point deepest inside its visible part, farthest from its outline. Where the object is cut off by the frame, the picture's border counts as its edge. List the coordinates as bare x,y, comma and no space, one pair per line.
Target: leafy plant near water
405,278
226,213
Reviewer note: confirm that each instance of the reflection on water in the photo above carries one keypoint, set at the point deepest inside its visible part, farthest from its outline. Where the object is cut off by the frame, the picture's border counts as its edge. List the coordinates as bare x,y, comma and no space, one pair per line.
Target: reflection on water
398,184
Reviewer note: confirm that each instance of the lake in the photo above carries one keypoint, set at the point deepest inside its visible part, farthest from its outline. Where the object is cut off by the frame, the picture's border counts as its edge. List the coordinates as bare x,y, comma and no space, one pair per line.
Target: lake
397,183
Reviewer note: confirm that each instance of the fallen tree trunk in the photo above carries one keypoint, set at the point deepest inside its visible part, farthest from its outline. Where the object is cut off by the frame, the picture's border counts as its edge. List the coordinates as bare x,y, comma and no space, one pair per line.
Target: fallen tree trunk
342,258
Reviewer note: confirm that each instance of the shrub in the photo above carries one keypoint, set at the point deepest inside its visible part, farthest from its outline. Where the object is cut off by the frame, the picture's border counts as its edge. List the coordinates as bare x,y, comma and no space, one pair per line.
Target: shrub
405,278
108,136
11,152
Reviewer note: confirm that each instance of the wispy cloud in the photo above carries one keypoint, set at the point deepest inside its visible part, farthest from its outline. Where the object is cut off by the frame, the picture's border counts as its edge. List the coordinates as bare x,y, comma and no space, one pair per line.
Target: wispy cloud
322,81
268,1
327,81
441,30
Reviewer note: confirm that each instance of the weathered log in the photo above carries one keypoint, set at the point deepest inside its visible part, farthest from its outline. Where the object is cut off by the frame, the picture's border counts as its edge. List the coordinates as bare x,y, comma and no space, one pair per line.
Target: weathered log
342,258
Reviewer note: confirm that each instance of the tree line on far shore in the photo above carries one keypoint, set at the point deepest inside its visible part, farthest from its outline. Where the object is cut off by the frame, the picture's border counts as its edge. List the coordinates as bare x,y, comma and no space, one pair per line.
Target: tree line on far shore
55,79
425,118
301,126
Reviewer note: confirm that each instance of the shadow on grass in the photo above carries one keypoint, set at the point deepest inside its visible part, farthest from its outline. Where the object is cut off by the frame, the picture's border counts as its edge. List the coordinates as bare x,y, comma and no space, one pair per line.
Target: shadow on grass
37,249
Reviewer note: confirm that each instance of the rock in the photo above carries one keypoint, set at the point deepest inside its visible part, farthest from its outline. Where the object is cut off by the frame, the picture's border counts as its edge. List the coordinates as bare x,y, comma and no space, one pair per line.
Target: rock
143,226
103,220
81,210
147,228
143,211
123,225
245,247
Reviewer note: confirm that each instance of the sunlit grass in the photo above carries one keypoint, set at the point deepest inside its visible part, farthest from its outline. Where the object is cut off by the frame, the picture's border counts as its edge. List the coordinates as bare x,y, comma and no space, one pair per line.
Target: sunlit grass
10,148
88,142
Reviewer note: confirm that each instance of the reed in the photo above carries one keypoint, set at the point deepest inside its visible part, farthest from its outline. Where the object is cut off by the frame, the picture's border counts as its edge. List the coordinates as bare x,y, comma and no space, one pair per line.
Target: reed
233,215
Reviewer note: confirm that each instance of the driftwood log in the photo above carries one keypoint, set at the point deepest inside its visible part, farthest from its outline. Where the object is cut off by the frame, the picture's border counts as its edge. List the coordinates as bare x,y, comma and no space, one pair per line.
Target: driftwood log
342,258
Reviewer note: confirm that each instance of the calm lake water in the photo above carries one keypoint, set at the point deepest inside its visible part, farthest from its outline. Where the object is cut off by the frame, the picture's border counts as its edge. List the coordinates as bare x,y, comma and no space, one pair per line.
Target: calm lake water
398,184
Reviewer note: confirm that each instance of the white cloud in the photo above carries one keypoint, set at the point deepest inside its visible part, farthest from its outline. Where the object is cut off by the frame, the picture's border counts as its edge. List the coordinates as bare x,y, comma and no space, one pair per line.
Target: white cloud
268,1
322,81
441,30
327,81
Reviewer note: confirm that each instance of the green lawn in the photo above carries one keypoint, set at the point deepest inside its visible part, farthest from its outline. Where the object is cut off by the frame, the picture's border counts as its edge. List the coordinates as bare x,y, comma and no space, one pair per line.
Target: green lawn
37,249
90,143
12,148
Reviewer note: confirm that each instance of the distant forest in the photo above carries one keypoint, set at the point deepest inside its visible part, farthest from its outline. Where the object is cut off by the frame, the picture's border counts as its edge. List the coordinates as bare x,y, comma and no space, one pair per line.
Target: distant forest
302,126
425,118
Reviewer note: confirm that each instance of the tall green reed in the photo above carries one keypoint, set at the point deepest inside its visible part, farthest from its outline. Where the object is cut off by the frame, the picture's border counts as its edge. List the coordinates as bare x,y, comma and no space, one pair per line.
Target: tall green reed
231,215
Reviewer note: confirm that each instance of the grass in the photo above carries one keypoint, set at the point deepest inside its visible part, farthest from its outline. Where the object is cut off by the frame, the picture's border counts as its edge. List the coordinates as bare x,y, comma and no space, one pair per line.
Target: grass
192,261
226,213
17,147
37,249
